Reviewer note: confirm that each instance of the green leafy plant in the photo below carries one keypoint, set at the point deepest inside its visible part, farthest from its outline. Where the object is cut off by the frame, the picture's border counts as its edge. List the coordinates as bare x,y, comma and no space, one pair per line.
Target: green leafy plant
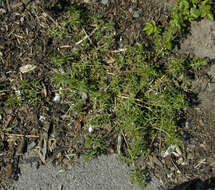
126,92
151,28
13,100
183,13
31,91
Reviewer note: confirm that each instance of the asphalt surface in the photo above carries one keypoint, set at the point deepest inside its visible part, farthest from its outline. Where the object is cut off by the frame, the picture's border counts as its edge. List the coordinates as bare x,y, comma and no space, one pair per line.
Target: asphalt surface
105,173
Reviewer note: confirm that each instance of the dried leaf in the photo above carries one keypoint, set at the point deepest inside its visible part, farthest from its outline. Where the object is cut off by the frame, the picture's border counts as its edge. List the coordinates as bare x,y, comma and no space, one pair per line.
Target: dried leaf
42,147
27,68
44,91
52,143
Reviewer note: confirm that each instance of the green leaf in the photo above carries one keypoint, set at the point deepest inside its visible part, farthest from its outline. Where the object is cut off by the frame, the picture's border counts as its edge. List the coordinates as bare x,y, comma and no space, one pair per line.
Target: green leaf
184,4
205,10
151,28
195,13
196,1
206,2
210,16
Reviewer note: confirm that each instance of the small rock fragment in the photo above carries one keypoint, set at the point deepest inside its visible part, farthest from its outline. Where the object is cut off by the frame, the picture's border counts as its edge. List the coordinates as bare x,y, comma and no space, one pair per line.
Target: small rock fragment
56,98
171,150
104,2
136,14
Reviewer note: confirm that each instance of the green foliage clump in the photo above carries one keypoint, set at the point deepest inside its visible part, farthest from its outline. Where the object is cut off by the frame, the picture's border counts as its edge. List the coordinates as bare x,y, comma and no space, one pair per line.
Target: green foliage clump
182,14
27,91
126,91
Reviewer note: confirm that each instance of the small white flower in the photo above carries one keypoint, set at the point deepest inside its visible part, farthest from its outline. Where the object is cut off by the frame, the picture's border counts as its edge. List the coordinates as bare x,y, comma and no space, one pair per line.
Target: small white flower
91,128
56,98
84,96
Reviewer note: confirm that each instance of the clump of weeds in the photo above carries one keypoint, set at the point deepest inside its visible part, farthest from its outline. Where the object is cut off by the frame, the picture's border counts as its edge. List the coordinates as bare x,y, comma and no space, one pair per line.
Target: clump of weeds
123,94
26,91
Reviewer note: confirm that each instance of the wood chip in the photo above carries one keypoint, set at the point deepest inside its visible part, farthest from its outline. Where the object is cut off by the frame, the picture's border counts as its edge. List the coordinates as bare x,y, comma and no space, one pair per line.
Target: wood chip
8,169
27,68
119,144
60,187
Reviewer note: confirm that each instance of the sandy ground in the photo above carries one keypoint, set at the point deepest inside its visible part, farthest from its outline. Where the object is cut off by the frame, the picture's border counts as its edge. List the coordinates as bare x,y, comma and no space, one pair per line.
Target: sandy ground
201,40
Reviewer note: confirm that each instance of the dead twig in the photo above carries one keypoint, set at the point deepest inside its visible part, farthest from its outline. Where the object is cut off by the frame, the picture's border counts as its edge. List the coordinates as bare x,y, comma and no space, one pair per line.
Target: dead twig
80,41
20,135
119,50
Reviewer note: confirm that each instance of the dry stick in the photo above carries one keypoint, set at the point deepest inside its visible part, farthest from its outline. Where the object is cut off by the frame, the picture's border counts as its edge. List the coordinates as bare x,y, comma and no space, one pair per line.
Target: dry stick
20,135
87,36
119,50
175,166
80,41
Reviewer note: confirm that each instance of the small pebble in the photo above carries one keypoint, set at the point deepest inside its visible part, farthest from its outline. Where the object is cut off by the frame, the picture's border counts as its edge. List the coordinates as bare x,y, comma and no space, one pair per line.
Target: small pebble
69,167
35,164
187,124
56,98
42,118
136,14
22,19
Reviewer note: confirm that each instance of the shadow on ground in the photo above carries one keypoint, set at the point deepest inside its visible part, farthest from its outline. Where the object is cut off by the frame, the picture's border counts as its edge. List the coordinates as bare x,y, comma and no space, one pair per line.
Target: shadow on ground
197,184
